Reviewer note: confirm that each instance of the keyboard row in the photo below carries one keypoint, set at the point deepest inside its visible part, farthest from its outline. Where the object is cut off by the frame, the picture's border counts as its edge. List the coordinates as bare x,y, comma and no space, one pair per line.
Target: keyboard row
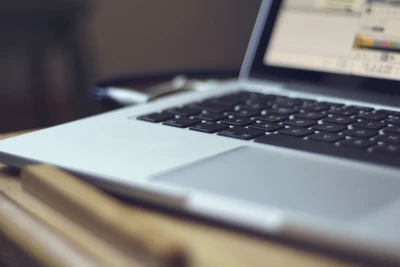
284,121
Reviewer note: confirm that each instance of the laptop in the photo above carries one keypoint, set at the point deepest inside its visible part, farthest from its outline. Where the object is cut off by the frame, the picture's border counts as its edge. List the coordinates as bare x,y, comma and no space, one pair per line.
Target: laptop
304,145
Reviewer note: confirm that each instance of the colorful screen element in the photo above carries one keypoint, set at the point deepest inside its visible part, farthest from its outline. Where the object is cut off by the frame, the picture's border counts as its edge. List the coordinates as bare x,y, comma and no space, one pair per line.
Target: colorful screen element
356,37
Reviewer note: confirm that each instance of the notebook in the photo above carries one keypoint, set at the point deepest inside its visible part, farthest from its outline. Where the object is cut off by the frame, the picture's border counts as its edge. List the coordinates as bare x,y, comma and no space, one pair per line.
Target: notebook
304,145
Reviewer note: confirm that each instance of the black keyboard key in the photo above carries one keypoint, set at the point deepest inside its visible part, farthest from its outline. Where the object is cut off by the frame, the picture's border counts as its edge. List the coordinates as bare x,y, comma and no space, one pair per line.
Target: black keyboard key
343,111
323,148
373,125
361,108
333,105
241,133
232,99
276,106
388,138
288,102
361,133
258,102
185,111
245,96
326,137
358,143
220,101
340,120
266,126
238,121
372,116
315,106
282,99
392,129
246,113
297,132
282,111
212,107
181,122
393,120
209,127
329,127
389,112
311,115
156,117
300,123
211,116
253,101
285,105
272,118
253,105
271,97
306,101
391,149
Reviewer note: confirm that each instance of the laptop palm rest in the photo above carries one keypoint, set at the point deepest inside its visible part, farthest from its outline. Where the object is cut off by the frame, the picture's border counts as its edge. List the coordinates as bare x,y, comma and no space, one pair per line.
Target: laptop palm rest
298,182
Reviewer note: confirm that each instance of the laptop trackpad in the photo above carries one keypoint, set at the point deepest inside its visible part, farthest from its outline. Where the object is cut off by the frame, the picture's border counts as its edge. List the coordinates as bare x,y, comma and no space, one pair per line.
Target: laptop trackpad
291,182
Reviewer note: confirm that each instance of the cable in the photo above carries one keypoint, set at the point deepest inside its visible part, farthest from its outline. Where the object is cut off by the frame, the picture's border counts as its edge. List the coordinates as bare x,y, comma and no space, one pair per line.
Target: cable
118,97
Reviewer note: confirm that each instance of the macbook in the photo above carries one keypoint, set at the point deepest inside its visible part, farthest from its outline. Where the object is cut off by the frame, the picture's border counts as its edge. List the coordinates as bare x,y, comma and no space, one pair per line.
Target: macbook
304,145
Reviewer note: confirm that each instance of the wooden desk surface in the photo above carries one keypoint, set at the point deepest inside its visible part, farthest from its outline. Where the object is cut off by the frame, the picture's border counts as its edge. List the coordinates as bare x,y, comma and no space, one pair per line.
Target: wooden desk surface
245,249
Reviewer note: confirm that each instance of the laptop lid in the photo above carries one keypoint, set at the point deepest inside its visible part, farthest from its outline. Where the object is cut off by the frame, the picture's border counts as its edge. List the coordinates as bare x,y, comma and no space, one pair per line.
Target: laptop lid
333,43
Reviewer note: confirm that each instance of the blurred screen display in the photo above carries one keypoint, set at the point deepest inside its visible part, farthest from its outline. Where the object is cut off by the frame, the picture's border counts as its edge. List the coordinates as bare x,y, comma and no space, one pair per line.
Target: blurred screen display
355,37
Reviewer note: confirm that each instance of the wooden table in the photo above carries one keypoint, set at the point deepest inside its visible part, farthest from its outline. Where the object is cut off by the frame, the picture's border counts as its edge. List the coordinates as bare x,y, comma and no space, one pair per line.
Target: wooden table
245,249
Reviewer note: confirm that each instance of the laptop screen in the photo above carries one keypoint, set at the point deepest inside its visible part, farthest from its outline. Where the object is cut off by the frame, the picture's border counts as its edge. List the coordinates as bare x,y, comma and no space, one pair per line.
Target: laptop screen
355,37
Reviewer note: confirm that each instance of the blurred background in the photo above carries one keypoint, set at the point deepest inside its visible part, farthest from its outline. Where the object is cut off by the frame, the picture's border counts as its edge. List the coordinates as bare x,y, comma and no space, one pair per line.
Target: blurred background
134,37
147,35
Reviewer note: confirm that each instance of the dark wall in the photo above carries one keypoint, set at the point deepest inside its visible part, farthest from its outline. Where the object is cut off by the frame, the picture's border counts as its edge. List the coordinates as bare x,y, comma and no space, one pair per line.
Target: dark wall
133,36
143,35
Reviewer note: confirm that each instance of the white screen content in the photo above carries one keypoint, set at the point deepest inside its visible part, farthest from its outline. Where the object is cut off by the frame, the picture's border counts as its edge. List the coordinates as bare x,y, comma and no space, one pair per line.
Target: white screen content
358,37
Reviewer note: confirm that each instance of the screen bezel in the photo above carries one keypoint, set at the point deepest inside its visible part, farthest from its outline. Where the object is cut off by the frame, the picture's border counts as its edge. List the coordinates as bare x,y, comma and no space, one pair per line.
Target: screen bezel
259,70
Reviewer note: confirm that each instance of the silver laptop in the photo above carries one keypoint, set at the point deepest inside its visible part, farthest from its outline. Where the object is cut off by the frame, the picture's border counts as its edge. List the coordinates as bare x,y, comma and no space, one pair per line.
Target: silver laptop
305,145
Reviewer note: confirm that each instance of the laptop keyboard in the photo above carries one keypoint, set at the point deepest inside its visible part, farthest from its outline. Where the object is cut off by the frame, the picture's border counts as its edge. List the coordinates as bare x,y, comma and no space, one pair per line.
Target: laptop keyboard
335,129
